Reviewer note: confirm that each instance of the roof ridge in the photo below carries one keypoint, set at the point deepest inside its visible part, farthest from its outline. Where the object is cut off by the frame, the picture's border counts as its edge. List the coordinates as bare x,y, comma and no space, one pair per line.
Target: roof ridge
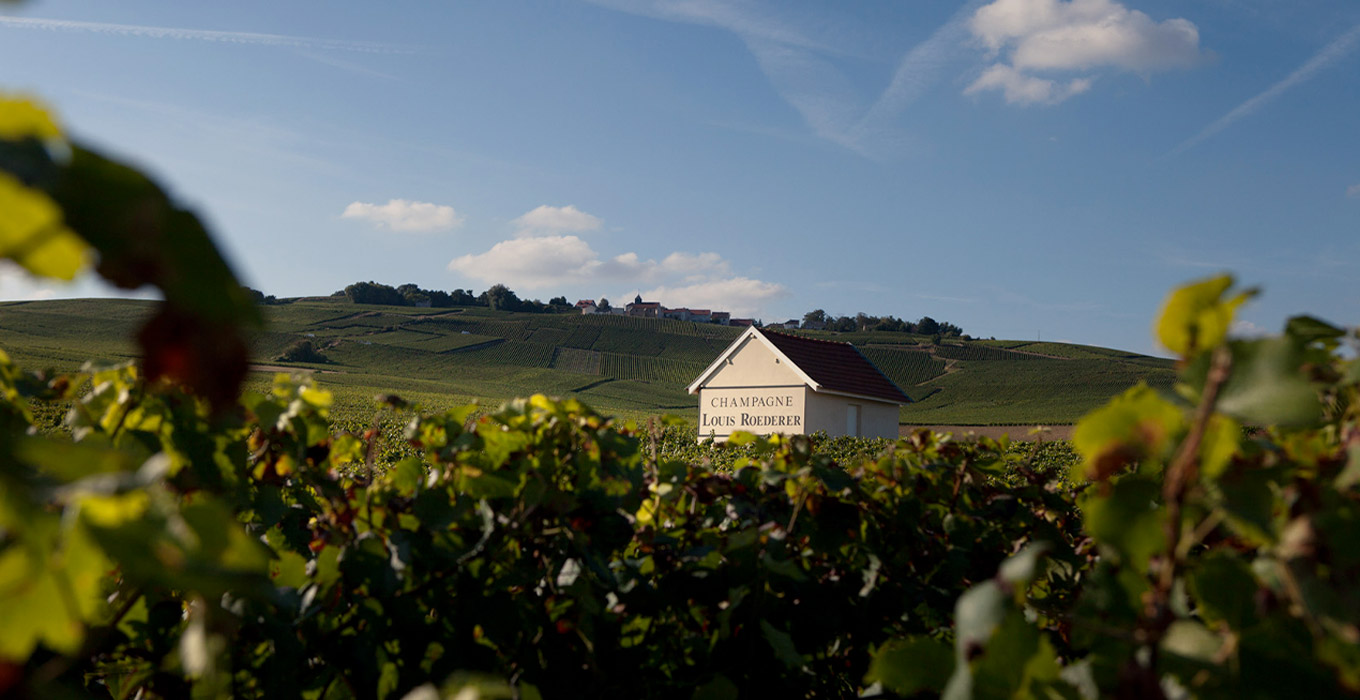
803,337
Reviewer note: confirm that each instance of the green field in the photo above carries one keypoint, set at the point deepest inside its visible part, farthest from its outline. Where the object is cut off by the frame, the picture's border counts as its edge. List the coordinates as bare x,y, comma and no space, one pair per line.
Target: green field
626,366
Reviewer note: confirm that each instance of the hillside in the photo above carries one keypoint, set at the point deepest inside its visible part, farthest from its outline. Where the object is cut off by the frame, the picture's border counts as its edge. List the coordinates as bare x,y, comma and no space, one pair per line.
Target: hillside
622,365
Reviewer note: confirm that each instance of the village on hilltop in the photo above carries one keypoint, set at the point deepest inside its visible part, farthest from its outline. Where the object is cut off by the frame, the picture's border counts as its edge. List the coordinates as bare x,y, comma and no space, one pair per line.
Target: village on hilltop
653,309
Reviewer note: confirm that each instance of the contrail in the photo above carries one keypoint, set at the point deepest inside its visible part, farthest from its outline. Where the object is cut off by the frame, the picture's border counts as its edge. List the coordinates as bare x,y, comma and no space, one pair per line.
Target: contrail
137,30
1331,53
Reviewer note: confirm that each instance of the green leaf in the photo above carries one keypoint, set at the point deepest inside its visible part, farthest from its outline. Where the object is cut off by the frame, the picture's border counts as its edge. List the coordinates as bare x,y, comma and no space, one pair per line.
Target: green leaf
70,461
977,614
1310,330
1192,641
1268,384
1221,438
1196,317
720,687
32,233
32,607
1129,520
1136,425
1022,567
1224,589
782,644
912,665
1249,500
407,475
26,118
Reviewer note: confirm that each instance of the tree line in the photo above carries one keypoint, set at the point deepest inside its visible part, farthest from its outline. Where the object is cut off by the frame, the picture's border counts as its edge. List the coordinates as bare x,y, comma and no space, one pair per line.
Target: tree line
864,322
498,297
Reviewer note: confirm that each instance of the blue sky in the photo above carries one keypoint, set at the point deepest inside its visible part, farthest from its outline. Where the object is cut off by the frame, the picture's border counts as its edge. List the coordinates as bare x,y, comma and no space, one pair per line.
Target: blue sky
1017,167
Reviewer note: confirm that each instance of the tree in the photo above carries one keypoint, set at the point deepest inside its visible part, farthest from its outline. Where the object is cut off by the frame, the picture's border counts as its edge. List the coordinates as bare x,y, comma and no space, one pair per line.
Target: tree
603,305
816,318
302,351
500,298
927,326
559,301
260,298
374,293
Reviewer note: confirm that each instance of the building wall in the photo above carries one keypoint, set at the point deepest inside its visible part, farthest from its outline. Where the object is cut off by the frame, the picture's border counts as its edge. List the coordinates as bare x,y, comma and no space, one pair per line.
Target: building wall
756,392
827,412
753,364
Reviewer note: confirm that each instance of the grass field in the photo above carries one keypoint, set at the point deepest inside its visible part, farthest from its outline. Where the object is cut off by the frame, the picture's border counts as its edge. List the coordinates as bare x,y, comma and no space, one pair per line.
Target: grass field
630,367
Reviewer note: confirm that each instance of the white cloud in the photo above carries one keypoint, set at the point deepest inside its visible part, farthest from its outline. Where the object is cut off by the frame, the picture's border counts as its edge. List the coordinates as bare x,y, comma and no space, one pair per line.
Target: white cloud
1246,329
693,267
17,284
1353,191
405,215
547,219
1019,88
742,296
697,280
548,261
1074,35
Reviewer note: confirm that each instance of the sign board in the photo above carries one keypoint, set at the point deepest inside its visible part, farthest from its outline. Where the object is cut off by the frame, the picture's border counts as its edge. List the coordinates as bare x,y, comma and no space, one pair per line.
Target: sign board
755,409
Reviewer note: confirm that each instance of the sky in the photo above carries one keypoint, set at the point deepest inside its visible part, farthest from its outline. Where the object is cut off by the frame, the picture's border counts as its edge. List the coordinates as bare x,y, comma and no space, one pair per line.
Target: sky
1025,169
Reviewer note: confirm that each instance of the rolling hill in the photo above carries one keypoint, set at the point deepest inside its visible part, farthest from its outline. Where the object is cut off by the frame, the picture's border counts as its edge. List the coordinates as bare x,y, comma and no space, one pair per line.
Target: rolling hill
627,366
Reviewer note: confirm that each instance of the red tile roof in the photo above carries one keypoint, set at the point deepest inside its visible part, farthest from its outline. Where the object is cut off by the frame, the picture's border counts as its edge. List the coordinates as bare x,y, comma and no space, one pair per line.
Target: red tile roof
837,366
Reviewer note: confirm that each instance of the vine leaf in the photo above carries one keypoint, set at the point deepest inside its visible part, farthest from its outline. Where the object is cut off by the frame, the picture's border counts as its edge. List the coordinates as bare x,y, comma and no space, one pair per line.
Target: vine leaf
1196,317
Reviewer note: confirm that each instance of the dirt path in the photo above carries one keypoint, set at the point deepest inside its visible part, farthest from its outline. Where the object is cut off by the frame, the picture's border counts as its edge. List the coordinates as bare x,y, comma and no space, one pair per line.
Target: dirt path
1017,432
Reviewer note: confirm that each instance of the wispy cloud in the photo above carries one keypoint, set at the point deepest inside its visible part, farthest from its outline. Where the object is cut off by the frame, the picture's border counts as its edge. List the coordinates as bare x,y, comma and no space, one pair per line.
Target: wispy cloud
802,67
183,34
919,69
1353,191
1338,49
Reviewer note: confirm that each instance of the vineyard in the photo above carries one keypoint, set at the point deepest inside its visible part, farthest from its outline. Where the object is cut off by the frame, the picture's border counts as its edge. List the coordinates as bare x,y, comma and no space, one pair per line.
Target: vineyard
492,356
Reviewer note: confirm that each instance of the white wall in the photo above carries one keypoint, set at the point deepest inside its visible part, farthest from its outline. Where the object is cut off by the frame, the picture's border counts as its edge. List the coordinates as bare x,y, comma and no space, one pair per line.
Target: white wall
754,374
827,412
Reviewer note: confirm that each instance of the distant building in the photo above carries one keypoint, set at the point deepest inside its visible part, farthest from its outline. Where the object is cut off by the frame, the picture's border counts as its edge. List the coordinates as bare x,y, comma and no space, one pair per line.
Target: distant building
700,315
721,318
768,382
583,303
644,309
742,322
588,309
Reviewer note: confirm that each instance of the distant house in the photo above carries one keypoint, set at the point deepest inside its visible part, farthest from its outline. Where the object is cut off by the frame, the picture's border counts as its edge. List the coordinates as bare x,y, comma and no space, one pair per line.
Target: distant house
681,314
722,318
583,303
700,315
768,382
644,309
742,322
588,309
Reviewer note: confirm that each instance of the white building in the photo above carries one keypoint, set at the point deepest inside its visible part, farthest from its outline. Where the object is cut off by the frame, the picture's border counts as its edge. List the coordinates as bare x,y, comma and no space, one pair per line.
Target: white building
767,382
